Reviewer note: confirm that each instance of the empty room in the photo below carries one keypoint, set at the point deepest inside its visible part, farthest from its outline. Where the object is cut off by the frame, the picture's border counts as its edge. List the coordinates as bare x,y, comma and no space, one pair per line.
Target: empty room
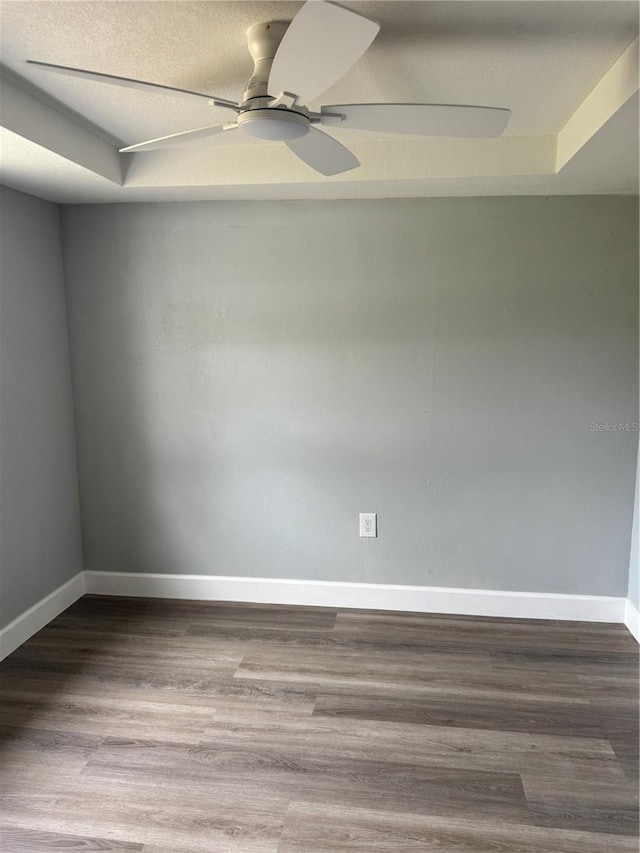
319,426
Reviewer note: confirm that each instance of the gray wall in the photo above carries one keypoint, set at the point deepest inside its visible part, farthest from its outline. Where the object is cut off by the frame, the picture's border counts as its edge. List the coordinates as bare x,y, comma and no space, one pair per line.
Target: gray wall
40,545
249,376
634,575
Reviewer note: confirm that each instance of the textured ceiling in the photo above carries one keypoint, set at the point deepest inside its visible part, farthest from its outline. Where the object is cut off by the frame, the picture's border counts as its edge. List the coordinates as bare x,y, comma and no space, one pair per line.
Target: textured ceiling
541,59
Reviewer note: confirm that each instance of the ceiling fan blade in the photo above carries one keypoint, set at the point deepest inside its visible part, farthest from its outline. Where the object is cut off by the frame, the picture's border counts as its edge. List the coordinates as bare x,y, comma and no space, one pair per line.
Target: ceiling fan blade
128,83
323,153
176,139
420,119
320,45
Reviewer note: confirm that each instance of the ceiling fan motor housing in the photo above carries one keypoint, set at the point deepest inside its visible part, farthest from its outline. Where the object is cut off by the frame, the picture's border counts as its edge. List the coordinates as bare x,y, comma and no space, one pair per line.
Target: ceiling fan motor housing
263,41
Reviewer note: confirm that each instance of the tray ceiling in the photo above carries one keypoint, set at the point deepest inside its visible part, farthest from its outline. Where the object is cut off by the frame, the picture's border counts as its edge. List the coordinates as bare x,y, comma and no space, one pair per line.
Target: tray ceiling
567,70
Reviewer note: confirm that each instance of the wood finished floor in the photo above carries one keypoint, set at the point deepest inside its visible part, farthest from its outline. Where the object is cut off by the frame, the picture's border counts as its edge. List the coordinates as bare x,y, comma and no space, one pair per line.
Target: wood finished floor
189,727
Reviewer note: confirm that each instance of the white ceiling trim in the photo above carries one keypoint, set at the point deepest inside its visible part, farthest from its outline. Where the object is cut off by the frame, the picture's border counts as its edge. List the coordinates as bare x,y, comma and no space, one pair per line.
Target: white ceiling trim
404,160
619,84
43,126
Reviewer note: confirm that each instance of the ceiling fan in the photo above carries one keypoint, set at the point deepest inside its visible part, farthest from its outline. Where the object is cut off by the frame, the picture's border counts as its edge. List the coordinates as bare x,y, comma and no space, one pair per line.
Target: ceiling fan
294,63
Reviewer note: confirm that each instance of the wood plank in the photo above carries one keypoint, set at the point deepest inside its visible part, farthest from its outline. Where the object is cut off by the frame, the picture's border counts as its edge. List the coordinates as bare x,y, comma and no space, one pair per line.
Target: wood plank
620,690
568,719
104,715
33,692
419,675
286,773
464,633
426,746
310,827
574,662
179,681
15,839
594,802
167,815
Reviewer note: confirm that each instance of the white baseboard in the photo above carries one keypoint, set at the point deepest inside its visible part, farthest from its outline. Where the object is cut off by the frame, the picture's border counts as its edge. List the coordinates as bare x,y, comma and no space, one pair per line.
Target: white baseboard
368,596
419,599
32,620
632,618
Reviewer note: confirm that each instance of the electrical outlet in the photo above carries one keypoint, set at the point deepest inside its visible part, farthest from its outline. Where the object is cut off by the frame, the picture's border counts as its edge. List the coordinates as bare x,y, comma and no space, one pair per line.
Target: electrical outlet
368,524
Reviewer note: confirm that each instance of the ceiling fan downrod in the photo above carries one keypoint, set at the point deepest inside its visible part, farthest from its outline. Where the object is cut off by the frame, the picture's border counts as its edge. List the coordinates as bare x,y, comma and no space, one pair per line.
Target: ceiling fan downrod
263,41
262,116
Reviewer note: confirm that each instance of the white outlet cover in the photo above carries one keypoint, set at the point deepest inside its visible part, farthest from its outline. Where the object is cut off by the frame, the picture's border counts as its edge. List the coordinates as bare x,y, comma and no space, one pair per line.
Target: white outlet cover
368,525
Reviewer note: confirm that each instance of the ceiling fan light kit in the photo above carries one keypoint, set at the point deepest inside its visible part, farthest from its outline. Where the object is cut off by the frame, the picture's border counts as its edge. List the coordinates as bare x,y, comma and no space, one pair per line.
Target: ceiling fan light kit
296,62
273,124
